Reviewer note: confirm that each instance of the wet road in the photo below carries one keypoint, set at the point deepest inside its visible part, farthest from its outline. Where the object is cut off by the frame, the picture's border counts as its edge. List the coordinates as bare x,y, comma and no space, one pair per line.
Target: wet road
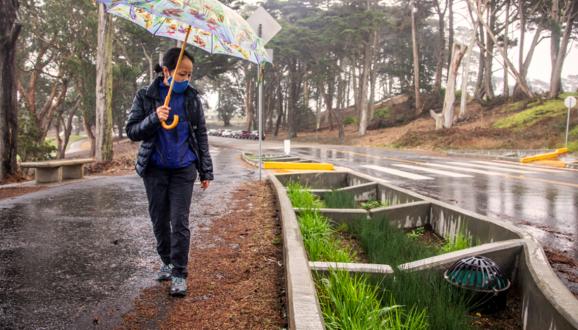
75,256
544,201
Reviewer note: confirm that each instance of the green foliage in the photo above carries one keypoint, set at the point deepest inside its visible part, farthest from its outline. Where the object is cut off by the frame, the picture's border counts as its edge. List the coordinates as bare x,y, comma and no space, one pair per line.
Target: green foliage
372,204
573,132
30,145
385,244
416,233
352,302
350,120
382,113
533,114
447,307
300,198
319,238
459,242
573,146
339,200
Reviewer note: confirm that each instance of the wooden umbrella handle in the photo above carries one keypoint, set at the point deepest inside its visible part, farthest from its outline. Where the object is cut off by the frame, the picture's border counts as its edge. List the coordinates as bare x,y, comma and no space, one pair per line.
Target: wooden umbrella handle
168,98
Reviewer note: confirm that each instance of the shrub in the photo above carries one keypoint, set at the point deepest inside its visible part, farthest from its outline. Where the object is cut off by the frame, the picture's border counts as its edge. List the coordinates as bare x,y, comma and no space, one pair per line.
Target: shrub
350,120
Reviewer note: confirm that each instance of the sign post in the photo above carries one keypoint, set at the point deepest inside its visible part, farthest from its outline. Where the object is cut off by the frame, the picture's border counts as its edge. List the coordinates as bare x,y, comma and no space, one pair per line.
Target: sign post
569,102
266,27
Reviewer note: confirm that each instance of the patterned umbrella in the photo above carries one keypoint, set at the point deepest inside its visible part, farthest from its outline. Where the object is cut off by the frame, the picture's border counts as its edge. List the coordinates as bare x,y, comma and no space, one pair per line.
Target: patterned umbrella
213,27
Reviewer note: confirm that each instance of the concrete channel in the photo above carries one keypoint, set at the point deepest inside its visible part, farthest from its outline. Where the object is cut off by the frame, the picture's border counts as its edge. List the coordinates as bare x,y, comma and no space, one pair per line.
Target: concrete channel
546,302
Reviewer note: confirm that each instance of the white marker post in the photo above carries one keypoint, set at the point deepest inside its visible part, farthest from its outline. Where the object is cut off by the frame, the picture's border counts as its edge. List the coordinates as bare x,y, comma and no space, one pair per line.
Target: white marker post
266,27
569,102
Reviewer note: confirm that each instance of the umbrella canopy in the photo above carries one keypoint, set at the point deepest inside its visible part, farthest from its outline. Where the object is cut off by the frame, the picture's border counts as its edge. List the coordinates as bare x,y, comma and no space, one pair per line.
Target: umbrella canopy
215,27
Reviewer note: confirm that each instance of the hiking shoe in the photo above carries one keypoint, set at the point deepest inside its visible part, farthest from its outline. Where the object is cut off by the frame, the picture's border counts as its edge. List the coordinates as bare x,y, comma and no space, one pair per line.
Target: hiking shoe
165,272
178,286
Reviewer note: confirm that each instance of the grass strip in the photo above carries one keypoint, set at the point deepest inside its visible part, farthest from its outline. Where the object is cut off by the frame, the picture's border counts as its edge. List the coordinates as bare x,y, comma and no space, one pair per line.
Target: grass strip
353,302
447,307
386,244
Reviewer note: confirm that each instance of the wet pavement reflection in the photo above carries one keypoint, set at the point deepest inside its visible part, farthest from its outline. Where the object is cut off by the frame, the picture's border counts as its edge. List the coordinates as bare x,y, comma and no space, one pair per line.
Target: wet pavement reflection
75,256
543,202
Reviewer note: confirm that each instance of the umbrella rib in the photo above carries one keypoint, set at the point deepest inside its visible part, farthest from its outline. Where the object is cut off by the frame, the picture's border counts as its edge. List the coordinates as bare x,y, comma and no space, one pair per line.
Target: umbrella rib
159,25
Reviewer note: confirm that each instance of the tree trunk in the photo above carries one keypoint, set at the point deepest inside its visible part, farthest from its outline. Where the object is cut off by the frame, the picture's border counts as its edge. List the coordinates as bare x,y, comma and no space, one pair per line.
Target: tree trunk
446,118
481,63
373,77
506,91
364,83
441,51
465,78
90,134
249,91
418,103
104,150
522,15
9,32
488,73
280,114
450,32
560,56
519,80
526,62
151,64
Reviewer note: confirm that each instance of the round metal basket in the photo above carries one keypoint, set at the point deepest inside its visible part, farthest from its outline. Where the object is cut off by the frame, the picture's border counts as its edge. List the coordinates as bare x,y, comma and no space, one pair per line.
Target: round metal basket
483,279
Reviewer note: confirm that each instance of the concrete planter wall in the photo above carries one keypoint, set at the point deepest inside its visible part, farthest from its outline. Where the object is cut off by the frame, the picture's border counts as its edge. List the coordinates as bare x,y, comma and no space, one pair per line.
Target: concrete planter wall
547,303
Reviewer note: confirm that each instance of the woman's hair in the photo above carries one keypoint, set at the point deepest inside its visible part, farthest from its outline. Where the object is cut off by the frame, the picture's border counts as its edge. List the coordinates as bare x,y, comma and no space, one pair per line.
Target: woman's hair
170,59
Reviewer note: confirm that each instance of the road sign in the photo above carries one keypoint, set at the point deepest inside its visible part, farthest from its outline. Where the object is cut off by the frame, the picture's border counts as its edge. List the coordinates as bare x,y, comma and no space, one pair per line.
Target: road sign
268,25
570,102
266,28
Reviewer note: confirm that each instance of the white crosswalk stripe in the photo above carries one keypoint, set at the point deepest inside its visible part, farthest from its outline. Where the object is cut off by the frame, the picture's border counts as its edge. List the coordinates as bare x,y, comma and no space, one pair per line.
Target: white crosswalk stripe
523,167
395,172
462,169
434,171
493,168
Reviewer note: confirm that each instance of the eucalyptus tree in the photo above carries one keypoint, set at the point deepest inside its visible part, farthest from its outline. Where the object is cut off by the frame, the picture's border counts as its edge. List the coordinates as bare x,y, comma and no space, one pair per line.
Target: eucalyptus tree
9,32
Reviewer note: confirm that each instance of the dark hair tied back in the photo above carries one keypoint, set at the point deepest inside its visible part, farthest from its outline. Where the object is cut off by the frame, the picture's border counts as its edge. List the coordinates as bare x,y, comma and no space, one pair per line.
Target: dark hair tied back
171,57
158,68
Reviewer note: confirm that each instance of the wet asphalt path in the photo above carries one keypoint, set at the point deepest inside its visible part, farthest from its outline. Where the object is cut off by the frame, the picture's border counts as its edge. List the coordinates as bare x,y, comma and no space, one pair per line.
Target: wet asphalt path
75,256
542,201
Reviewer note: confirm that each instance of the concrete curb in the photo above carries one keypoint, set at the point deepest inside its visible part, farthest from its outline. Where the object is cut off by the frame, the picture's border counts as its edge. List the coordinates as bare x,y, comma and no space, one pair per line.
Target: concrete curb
303,307
547,303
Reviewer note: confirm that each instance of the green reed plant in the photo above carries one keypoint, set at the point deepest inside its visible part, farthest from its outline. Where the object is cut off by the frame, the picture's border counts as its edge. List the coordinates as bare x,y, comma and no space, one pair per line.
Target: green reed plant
447,307
339,200
459,242
386,244
301,198
353,302
320,239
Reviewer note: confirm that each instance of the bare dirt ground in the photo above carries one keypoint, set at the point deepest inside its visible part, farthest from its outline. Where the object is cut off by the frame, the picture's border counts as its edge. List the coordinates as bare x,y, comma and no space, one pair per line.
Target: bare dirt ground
474,132
235,274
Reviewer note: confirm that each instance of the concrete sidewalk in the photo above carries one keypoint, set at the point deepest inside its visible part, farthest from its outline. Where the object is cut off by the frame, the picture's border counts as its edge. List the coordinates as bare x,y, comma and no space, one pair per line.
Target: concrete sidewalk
76,255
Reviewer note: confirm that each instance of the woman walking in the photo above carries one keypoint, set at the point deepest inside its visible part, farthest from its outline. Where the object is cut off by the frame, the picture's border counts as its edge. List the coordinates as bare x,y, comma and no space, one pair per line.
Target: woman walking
168,160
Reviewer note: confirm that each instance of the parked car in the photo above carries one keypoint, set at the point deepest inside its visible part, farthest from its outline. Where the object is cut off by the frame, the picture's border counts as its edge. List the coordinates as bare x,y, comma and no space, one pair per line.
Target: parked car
236,134
246,135
227,133
255,135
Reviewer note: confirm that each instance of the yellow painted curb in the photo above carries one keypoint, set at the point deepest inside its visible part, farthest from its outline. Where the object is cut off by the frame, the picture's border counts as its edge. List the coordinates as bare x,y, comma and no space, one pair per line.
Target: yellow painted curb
546,156
297,166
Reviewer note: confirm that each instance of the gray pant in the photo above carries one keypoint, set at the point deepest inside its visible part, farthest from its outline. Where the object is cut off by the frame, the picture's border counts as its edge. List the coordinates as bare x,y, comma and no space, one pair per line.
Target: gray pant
169,193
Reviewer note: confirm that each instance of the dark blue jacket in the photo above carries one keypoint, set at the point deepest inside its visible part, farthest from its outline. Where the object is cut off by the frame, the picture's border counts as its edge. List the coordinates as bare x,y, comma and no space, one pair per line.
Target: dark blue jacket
172,147
143,125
